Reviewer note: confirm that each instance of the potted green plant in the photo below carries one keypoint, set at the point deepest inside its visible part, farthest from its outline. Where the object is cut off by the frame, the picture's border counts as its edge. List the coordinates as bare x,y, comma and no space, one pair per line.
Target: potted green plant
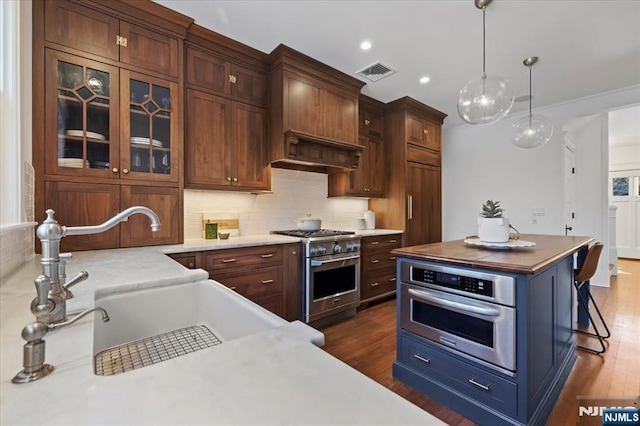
492,227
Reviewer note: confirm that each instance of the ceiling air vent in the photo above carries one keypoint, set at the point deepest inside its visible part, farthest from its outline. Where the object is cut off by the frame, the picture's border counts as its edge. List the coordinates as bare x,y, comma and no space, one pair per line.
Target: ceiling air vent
376,71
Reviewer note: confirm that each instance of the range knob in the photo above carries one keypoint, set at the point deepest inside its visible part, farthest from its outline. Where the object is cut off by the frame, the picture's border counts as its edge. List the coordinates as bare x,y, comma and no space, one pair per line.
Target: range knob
322,250
353,247
313,251
337,248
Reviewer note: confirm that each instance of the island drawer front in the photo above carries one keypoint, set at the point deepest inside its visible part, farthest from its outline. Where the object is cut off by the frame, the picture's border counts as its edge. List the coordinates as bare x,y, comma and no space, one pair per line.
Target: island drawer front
258,282
476,383
238,258
381,243
371,261
378,284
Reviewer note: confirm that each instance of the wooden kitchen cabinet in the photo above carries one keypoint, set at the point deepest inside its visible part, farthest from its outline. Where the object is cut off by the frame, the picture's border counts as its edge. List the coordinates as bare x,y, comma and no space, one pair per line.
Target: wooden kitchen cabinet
369,179
94,32
225,144
267,275
378,267
90,204
220,76
413,200
226,126
111,129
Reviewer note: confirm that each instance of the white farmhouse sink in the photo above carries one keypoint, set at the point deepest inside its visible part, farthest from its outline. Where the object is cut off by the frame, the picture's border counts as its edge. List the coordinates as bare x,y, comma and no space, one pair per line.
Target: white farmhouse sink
142,313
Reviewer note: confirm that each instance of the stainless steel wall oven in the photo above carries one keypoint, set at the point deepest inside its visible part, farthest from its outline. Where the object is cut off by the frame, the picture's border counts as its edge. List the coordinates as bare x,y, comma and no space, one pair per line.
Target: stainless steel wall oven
467,311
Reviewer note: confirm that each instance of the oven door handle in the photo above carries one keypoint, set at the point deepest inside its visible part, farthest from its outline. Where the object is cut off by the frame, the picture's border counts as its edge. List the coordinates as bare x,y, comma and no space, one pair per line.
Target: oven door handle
324,262
429,297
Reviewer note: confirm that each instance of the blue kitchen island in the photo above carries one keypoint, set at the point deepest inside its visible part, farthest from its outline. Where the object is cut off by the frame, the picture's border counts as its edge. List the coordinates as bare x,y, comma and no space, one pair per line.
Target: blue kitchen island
488,332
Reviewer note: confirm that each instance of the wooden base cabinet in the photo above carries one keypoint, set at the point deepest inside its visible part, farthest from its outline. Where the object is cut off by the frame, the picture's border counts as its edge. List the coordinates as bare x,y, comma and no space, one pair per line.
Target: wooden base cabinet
378,267
88,204
266,275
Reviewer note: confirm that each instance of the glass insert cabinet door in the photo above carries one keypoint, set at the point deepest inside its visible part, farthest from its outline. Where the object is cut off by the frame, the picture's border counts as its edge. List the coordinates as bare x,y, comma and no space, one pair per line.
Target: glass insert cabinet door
149,130
82,117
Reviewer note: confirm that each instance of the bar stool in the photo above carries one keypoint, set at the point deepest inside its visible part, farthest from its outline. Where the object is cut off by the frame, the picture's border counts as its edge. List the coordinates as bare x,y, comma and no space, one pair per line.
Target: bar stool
584,274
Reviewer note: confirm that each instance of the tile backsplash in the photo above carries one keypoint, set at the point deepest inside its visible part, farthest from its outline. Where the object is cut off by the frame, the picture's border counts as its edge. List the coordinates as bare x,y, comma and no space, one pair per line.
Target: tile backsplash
294,194
16,240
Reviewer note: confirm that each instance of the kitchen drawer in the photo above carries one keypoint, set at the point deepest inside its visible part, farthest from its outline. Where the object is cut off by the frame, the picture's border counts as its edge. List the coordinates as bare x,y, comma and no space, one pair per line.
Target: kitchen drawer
273,304
378,284
473,382
423,156
375,261
240,258
188,260
381,243
253,283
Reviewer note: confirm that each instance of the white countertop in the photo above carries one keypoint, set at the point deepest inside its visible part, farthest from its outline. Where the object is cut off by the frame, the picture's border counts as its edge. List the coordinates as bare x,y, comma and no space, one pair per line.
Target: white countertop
274,376
200,244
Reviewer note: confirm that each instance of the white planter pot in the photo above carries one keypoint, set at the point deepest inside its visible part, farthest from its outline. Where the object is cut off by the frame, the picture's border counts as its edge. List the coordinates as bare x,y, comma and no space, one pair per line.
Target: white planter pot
493,230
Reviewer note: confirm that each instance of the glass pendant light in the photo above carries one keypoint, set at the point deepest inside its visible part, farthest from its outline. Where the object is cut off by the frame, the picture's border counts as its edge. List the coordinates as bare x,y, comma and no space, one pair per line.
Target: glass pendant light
531,131
488,99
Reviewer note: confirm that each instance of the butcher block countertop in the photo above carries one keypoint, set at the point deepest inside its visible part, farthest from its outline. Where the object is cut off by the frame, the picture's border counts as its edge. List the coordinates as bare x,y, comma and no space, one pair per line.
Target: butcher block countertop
548,249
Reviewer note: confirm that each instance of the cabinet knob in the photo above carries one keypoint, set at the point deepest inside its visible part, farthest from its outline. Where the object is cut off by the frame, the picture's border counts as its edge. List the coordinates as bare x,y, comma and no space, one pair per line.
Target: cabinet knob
232,79
235,179
425,131
367,122
366,190
121,41
191,265
229,179
114,170
125,171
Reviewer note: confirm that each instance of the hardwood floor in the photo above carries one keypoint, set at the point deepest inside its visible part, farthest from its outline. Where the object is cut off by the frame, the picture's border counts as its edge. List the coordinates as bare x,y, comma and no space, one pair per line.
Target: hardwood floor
367,343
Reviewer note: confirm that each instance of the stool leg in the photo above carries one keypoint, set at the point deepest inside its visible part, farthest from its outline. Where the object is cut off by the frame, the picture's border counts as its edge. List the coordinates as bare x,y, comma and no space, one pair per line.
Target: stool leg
597,332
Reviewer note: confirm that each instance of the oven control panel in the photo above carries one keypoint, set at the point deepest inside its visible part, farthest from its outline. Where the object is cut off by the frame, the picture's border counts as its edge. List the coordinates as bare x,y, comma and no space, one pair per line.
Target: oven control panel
473,285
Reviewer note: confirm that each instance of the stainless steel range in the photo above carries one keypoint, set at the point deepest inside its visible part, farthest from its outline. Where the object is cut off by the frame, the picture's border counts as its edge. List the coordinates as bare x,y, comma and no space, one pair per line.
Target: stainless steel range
331,270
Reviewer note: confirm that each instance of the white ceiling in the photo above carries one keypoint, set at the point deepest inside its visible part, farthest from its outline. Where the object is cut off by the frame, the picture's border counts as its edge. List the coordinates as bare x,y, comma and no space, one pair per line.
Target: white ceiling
585,47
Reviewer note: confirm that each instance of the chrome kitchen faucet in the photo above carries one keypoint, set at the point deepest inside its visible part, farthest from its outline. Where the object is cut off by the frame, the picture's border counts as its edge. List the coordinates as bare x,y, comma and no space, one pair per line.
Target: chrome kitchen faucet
52,289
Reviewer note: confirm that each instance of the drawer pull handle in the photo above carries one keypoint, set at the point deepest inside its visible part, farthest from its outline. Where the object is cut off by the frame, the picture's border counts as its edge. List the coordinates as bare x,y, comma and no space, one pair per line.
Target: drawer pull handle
267,281
480,385
375,243
336,300
392,258
266,256
375,284
425,360
392,279
392,241
228,260
232,288
375,261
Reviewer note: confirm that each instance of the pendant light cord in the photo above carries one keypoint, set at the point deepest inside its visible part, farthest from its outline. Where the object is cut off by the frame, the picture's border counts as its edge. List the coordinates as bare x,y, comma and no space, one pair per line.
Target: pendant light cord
484,45
530,96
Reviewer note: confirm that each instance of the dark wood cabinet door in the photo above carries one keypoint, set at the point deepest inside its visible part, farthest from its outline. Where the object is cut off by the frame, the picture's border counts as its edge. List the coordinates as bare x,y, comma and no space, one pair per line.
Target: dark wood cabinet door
82,117
432,137
339,116
375,167
148,49
424,221
293,282
150,135
208,72
249,85
370,123
207,150
84,204
250,139
165,202
78,27
416,130
303,106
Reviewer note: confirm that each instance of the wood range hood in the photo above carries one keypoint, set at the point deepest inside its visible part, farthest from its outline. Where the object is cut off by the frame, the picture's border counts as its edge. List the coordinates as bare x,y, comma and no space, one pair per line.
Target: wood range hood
313,114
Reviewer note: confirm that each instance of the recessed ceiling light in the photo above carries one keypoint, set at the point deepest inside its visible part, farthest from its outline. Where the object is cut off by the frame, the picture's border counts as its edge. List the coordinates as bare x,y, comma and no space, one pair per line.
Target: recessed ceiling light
424,79
366,45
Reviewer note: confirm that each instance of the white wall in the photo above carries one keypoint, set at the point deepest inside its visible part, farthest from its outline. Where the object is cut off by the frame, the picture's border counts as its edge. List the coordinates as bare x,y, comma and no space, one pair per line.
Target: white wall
479,162
624,157
294,194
